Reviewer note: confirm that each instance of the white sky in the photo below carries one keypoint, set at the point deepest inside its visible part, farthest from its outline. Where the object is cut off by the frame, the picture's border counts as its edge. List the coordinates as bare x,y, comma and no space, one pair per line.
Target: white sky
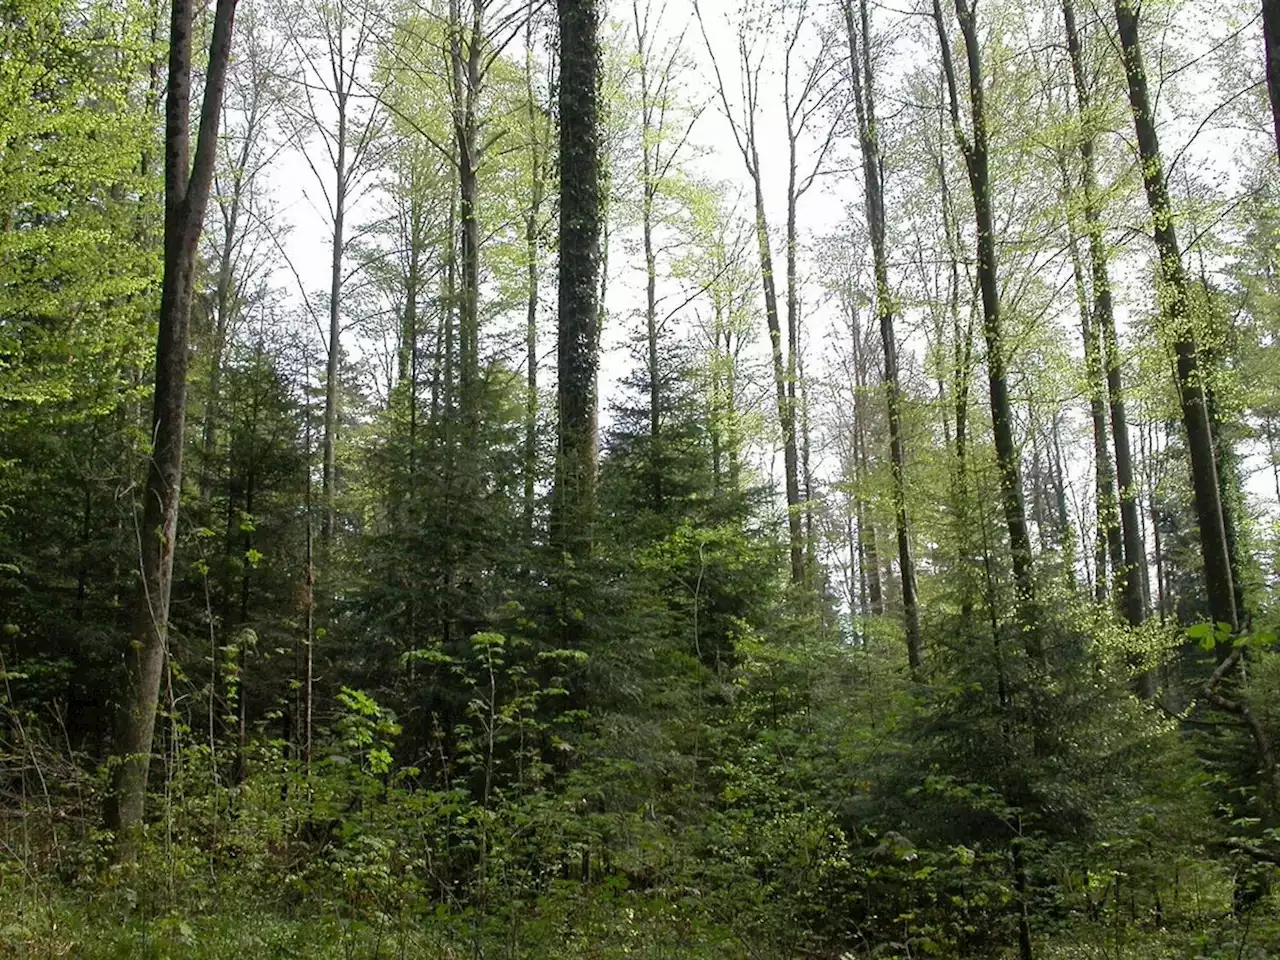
1213,155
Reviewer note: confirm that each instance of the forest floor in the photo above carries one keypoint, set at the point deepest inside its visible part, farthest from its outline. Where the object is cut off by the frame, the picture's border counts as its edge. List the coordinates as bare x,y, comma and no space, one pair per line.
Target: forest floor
45,920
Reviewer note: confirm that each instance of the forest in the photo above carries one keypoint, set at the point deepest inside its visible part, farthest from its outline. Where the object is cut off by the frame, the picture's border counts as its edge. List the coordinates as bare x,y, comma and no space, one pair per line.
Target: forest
744,479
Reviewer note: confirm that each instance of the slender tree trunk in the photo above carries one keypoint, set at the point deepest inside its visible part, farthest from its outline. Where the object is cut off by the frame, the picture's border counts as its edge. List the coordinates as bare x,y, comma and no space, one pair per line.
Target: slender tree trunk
786,412
1271,36
242,617
873,175
1147,451
975,152
1129,578
806,472
1066,536
532,277
308,601
1230,496
328,480
222,324
867,547
1176,312
792,358
581,220
1108,543
467,79
186,195
649,191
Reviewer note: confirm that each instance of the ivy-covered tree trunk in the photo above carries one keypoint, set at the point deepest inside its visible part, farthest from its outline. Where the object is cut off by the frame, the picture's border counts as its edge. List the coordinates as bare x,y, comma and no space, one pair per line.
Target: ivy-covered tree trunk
581,209
1175,303
186,195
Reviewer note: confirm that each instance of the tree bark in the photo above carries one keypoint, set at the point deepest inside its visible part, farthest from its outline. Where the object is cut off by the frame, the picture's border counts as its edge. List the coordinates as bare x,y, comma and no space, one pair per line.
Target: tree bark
1176,313
186,196
873,176
581,221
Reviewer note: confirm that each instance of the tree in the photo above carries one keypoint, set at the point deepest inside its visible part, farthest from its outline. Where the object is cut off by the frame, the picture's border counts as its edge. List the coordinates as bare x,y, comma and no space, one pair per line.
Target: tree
186,195
333,43
1135,603
1175,308
579,275
975,149
874,190
1271,36
664,135
808,91
242,233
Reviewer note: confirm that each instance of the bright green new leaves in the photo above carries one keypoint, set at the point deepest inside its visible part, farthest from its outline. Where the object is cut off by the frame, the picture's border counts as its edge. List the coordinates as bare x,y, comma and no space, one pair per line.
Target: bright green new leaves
76,200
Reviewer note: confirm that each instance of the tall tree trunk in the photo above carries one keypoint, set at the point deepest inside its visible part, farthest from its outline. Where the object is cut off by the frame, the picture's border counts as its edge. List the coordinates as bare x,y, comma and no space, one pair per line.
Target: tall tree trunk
581,216
1176,313
467,62
786,412
745,137
1066,536
1130,578
308,597
328,470
1230,494
867,547
532,278
186,195
794,508
1271,37
649,188
975,151
1108,543
223,305
873,175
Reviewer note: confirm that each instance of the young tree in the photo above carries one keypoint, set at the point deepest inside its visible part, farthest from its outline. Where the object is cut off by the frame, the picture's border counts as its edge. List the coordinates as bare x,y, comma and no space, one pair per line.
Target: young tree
187,184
